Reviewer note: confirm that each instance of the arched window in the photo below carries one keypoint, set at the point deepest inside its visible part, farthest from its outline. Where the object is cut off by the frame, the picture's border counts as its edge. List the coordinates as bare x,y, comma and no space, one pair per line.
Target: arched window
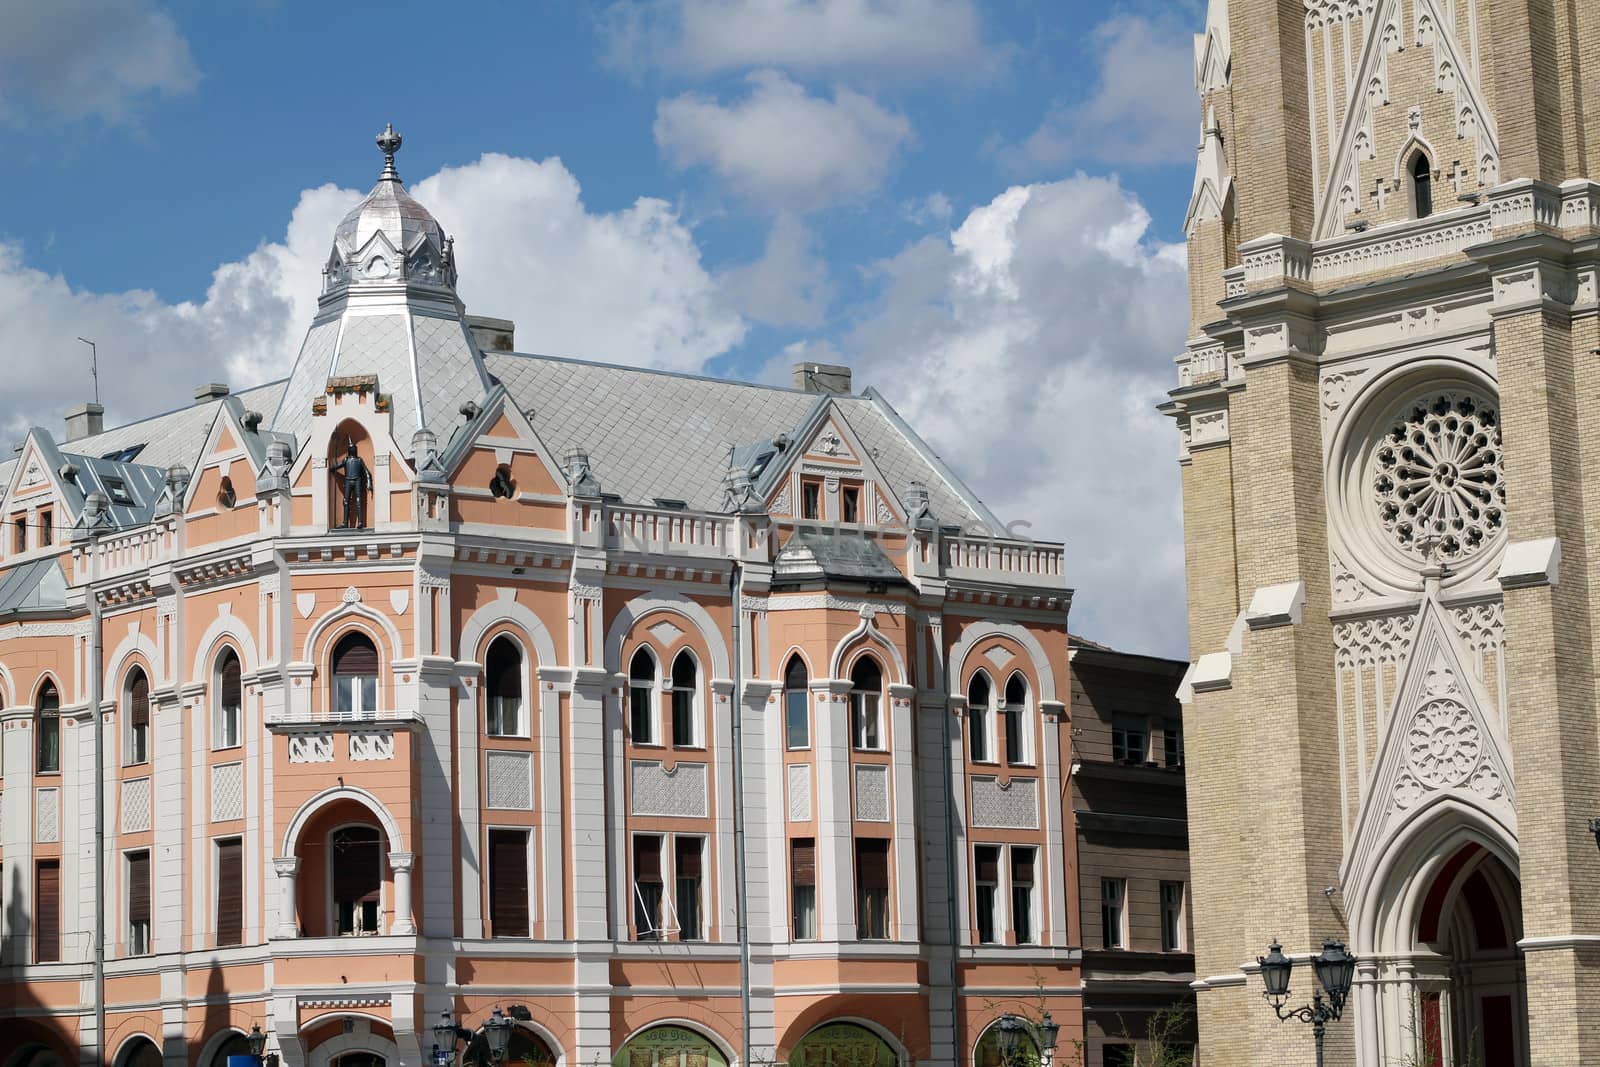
669,1046
980,718
866,705
136,713
1019,733
641,698
685,701
355,677
796,705
1422,185
225,729
141,1052
837,1043
355,856
503,678
237,1045
47,731
989,1053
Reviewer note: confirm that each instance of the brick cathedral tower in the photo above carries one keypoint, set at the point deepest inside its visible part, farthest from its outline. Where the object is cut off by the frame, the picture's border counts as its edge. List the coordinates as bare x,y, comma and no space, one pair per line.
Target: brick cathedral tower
1391,497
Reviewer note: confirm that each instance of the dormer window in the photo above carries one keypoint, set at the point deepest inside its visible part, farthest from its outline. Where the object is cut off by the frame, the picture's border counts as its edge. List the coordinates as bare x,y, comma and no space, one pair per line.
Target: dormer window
46,527
850,502
117,490
1421,186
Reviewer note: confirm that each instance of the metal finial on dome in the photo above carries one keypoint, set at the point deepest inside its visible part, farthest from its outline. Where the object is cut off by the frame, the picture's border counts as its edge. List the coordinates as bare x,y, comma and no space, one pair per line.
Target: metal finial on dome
389,144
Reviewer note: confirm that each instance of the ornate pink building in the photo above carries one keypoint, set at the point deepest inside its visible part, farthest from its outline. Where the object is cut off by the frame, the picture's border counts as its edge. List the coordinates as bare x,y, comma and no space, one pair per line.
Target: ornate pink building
650,704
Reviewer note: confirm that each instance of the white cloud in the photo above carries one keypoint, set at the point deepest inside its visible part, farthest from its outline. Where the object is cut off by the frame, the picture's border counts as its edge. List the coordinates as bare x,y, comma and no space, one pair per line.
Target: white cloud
789,284
781,146
881,39
1030,348
1141,112
77,59
625,286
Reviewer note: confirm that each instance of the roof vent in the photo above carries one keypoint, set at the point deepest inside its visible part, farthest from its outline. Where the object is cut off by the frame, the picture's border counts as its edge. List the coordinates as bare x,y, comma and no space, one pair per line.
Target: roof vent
669,504
68,472
252,421
470,409
492,335
822,377
85,420
781,442
205,394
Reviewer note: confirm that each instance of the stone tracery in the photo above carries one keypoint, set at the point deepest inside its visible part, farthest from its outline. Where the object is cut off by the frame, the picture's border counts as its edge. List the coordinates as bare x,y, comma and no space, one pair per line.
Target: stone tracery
1438,486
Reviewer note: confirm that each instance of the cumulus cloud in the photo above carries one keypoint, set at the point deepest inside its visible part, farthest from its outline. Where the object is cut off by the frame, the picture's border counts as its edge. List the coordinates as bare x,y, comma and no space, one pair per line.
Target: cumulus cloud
1029,346
789,284
625,286
882,39
76,59
1141,111
782,147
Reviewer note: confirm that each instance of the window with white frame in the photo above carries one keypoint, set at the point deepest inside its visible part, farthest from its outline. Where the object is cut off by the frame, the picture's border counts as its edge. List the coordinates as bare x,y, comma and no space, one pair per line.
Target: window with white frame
866,705
657,913
226,731
1023,924
796,705
1172,743
986,879
502,671
803,881
1130,739
355,677
1171,916
685,701
649,888
47,730
980,719
137,868
642,698
1113,913
136,714
1019,733
688,864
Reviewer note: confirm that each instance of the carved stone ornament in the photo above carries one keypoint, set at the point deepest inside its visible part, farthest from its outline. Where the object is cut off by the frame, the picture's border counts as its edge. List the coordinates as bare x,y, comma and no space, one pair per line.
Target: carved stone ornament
1437,479
1443,744
352,595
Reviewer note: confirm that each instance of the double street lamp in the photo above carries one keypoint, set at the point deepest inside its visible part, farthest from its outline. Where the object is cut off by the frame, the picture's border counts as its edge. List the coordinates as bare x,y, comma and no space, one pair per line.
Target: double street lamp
1335,970
1044,1035
256,1042
496,1032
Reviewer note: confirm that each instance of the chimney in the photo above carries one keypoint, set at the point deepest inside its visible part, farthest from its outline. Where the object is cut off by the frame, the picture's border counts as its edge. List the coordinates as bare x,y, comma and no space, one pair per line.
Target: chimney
822,377
204,394
85,420
492,335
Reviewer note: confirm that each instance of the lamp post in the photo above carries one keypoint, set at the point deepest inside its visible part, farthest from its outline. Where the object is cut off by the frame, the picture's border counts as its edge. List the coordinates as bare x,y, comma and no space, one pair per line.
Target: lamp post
1335,969
1044,1035
447,1032
1594,828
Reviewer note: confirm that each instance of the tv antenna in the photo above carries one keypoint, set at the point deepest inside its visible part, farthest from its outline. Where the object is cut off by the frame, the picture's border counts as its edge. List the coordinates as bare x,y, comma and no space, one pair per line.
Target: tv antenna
94,367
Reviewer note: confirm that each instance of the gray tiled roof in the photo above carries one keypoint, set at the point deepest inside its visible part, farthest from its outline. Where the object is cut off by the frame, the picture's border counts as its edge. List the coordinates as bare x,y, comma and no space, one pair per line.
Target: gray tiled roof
37,585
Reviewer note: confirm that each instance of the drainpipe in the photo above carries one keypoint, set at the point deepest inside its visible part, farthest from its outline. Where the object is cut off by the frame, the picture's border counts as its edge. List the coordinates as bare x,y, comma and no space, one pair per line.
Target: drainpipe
736,585
951,901
95,643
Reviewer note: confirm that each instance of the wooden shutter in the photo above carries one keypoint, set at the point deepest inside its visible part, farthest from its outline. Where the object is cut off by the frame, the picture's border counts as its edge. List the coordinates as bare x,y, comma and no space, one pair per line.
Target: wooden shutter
232,690
803,861
647,859
355,655
139,887
1022,866
508,883
987,864
230,892
872,864
47,913
139,701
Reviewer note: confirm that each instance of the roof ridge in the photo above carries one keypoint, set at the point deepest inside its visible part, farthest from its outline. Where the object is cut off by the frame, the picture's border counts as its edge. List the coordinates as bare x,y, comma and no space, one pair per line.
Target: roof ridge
178,410
661,372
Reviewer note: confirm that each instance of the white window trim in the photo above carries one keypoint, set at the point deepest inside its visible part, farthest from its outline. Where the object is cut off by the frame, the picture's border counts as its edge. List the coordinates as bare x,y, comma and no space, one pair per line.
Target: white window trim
383,888
529,841
1027,721
1181,941
1122,912
697,733
127,903
218,742
524,713
655,688
1034,916
986,717
857,740
1001,916
216,891
125,711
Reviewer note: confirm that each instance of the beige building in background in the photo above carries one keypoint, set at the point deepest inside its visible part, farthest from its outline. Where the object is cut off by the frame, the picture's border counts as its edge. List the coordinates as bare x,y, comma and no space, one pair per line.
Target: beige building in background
1391,716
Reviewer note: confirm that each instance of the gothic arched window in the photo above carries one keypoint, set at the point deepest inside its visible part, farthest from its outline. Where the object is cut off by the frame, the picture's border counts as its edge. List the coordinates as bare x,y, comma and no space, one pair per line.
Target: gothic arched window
641,697
136,710
685,701
1019,733
503,685
230,701
1422,185
796,705
980,718
47,731
866,704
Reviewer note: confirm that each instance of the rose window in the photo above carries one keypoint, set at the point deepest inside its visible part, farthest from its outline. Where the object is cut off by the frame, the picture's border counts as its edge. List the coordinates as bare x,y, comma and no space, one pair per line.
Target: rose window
1443,744
1437,479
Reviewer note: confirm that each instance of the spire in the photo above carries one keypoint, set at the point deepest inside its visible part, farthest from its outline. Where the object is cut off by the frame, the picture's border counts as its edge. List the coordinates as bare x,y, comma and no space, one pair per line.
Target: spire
388,144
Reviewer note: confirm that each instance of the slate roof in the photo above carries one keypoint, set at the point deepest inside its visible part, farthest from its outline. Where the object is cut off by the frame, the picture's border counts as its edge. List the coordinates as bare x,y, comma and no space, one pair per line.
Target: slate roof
37,585
836,555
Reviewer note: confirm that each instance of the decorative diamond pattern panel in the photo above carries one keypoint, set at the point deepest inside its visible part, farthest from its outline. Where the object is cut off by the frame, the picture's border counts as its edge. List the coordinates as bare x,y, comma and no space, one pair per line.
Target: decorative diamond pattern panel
311,748
666,633
1008,807
227,792
47,817
511,780
371,745
135,805
999,657
680,794
872,793
799,792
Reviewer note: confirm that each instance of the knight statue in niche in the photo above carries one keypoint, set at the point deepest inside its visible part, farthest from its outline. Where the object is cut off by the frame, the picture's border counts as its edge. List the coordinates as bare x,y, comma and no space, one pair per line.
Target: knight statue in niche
357,484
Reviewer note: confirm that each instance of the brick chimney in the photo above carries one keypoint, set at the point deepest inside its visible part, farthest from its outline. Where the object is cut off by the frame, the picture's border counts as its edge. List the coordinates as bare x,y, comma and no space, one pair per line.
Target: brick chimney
822,377
85,420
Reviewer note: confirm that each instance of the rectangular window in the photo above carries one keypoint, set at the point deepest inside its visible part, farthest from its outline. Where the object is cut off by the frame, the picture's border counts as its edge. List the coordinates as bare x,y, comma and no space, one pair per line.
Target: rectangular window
505,715
803,878
46,528
230,892
648,887
850,503
641,714
986,872
686,868
872,890
1112,892
683,731
19,537
230,707
866,721
49,739
811,500
978,719
1128,740
1016,734
1022,895
117,490
508,883
47,912
356,696
138,903
1172,744
797,718
1171,916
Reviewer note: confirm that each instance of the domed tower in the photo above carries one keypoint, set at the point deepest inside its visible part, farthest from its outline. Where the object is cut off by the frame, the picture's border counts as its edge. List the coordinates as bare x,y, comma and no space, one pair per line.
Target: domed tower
389,311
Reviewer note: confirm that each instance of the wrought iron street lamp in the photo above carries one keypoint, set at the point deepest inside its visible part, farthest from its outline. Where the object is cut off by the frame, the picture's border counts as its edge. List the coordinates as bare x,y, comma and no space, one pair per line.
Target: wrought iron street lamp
495,1033
446,1033
257,1041
1044,1035
1594,828
498,1030
1335,970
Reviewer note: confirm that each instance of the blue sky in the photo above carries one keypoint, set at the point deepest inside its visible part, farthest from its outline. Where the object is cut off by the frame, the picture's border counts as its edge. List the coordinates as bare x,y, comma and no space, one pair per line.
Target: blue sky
975,204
